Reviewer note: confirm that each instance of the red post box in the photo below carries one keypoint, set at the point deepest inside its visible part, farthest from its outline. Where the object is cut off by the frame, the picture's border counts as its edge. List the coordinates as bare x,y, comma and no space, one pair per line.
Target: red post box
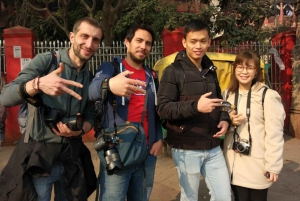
172,40
287,40
18,49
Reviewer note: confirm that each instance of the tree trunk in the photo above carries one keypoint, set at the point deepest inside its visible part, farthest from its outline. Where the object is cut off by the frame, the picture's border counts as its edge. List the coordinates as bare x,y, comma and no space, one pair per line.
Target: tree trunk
110,17
294,128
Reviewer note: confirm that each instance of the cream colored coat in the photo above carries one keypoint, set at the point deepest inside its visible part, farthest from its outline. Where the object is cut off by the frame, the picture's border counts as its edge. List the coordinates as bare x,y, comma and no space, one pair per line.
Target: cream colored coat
266,128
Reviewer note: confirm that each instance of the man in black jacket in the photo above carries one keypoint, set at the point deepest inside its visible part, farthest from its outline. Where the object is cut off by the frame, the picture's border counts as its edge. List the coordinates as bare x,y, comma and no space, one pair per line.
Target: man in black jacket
195,122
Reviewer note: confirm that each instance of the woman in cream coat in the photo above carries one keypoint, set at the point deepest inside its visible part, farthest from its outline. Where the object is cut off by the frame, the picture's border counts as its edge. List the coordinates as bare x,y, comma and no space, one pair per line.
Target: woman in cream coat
258,139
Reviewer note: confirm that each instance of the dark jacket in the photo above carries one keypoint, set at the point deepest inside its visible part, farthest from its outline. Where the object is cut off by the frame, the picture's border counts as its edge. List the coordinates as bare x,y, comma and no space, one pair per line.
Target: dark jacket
187,128
37,159
106,70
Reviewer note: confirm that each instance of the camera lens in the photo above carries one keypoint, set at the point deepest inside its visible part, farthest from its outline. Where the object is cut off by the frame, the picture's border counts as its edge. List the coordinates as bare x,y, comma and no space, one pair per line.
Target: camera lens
113,159
241,147
100,143
74,123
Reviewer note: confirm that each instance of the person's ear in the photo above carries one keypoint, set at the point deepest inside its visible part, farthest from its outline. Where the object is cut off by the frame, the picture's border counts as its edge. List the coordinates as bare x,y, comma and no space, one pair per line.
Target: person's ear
184,42
72,36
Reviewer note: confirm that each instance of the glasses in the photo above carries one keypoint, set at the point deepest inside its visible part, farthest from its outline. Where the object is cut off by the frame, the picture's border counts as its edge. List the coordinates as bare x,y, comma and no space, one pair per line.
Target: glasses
249,69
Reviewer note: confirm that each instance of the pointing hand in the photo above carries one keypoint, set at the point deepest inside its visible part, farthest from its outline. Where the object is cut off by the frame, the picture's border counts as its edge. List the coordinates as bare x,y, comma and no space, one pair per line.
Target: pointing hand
121,85
53,85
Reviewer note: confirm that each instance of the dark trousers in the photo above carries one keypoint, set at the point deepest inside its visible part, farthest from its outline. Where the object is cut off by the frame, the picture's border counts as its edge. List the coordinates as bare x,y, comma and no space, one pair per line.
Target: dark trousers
248,194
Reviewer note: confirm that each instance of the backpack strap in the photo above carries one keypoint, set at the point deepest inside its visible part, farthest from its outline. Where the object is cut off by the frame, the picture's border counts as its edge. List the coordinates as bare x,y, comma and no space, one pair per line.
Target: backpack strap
115,64
263,96
179,75
54,62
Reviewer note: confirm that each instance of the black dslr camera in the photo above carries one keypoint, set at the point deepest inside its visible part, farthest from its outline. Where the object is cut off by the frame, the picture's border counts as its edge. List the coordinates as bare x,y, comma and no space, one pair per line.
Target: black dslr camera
52,116
242,146
108,143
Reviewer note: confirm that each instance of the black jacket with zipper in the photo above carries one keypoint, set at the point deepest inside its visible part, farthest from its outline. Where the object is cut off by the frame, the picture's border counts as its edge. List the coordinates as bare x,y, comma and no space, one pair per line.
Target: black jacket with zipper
187,128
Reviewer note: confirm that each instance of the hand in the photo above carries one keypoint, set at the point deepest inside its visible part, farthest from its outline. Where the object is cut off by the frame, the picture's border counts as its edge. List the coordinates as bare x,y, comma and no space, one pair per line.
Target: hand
156,148
207,105
64,131
53,85
273,176
120,85
237,119
223,125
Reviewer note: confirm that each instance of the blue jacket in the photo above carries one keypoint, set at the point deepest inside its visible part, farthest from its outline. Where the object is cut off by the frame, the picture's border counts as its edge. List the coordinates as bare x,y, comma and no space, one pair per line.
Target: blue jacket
106,70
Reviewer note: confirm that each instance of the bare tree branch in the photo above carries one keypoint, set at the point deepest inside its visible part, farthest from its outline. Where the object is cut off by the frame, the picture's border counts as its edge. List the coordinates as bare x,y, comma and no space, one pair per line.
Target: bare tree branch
110,17
91,10
118,9
64,27
65,14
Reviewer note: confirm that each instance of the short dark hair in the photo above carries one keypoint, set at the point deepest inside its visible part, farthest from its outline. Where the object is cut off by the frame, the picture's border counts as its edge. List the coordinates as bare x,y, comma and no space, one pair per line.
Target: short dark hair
195,25
131,32
88,20
242,57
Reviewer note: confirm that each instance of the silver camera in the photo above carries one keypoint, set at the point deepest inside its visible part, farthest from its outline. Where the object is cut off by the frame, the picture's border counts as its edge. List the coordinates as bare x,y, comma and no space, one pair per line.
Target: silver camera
242,146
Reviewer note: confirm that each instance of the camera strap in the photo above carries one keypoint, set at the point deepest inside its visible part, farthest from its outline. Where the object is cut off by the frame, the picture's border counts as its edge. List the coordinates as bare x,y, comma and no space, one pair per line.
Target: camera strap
248,114
235,133
236,136
144,108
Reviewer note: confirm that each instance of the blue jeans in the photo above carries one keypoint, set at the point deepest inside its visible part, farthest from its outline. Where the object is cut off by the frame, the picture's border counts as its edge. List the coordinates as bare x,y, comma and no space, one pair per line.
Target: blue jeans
43,185
150,171
125,183
211,164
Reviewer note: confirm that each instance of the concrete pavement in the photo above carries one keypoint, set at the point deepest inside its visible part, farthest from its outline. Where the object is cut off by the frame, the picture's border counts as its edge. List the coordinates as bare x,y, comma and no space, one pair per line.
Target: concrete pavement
166,186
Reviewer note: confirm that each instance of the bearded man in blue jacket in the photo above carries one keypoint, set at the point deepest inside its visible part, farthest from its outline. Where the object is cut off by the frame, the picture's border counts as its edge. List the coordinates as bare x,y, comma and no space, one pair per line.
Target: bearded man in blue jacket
130,85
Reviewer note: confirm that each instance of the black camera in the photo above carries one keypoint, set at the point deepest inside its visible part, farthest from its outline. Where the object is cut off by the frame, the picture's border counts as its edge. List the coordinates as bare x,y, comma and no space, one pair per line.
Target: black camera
242,146
227,107
108,143
52,116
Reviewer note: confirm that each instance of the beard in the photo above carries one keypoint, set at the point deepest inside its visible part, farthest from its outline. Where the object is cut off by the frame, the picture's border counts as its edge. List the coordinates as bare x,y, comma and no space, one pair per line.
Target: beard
135,59
76,50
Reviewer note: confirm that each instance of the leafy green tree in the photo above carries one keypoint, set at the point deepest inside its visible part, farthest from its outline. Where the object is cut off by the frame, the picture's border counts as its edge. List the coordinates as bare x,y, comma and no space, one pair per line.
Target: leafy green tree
237,20
154,13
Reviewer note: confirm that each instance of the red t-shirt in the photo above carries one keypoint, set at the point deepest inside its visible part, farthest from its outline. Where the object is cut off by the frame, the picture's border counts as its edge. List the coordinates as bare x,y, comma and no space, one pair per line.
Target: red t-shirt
137,100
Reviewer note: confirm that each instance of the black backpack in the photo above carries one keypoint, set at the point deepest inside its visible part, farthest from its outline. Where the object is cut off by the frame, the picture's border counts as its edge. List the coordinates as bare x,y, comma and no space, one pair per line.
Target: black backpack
23,110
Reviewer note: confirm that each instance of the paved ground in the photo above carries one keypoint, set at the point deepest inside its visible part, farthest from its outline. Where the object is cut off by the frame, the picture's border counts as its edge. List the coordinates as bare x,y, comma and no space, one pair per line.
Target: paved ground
166,183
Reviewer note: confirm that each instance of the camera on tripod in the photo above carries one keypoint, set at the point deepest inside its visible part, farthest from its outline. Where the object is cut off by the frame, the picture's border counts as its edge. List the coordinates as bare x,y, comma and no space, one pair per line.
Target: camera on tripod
108,142
242,146
53,116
